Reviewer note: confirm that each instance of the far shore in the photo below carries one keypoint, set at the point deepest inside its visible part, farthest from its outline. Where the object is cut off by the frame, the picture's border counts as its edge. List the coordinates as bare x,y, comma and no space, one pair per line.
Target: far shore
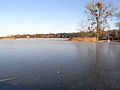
13,38
73,39
7,38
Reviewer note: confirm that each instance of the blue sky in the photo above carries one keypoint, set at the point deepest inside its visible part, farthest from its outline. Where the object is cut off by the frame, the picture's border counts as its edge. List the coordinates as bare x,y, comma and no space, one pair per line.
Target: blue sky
40,16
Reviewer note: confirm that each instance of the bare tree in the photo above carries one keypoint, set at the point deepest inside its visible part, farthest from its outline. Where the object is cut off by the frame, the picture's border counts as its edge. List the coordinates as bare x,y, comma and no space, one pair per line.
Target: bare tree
82,25
99,13
118,18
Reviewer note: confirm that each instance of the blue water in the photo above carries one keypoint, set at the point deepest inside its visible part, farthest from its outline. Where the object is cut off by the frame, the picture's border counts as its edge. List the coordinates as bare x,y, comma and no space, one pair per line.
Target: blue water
58,64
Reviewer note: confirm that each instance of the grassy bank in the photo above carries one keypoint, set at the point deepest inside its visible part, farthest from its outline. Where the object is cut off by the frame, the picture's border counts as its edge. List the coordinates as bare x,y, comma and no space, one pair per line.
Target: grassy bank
83,39
7,38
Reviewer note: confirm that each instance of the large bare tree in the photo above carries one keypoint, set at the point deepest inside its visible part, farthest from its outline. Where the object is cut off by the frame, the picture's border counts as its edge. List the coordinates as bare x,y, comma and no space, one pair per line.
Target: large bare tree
99,13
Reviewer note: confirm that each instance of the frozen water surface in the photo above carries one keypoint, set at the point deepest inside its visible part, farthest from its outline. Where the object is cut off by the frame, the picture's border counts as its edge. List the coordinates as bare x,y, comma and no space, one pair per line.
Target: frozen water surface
57,64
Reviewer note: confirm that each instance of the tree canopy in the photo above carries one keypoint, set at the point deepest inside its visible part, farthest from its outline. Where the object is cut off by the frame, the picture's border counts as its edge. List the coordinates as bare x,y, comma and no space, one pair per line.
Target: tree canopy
99,13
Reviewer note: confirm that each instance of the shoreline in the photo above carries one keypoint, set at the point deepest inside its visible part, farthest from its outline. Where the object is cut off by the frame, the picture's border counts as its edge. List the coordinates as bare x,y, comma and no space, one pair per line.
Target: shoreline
74,39
89,39
7,38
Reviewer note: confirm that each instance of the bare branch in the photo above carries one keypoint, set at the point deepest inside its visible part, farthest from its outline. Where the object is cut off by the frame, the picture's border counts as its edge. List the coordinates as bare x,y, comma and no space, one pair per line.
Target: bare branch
100,12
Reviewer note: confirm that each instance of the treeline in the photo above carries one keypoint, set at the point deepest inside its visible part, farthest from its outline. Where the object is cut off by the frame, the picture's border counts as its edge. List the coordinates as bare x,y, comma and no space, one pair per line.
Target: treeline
50,35
102,35
53,35
58,35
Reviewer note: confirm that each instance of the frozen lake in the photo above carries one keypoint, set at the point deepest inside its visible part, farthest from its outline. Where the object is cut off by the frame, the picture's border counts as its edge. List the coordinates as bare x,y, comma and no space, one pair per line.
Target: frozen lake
57,64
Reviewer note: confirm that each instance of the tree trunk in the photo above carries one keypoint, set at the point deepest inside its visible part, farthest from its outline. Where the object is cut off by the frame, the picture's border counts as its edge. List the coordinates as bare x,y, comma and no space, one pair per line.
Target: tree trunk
97,29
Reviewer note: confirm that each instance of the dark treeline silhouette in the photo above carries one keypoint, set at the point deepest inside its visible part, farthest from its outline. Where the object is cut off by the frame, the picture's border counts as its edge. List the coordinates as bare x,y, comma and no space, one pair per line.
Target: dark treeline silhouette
50,35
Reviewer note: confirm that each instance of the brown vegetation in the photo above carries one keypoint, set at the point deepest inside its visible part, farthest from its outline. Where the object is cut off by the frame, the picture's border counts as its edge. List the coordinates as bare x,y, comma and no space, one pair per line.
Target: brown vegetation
7,38
84,39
